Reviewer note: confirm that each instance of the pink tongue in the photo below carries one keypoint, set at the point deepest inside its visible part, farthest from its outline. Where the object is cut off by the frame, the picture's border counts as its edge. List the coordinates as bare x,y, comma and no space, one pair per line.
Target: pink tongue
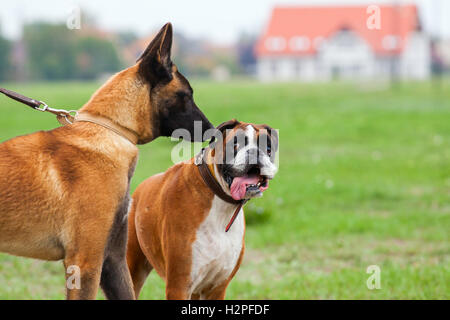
240,184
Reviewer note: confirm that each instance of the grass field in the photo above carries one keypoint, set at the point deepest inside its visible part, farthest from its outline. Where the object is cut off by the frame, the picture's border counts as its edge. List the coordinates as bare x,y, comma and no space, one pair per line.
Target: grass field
364,180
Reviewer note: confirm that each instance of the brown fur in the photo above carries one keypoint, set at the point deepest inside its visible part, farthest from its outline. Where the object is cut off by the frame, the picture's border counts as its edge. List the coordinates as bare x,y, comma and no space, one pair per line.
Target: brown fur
166,213
64,193
51,204
162,228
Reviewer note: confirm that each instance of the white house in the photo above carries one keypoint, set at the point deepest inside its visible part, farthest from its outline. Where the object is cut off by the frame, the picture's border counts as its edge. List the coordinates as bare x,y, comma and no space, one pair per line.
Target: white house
344,42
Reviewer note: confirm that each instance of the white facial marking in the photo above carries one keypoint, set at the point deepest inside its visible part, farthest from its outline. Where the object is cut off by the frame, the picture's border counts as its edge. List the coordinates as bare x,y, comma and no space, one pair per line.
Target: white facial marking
267,168
251,134
241,158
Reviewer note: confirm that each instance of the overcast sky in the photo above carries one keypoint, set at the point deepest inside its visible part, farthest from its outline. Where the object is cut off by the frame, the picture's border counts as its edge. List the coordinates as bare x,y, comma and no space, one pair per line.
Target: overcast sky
220,21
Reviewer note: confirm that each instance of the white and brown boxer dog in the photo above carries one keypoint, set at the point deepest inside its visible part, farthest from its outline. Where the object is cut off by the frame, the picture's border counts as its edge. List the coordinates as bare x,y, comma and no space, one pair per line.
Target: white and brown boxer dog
181,221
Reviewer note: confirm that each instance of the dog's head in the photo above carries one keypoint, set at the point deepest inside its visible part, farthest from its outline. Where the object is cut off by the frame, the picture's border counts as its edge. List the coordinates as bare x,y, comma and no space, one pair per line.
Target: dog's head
245,157
171,95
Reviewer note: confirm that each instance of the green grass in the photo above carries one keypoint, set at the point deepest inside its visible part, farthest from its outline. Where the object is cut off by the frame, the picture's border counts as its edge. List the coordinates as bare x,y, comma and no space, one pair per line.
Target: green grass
364,180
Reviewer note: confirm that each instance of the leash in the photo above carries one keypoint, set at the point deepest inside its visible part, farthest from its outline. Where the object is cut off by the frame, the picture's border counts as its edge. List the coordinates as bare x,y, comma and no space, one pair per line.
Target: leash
65,117
215,187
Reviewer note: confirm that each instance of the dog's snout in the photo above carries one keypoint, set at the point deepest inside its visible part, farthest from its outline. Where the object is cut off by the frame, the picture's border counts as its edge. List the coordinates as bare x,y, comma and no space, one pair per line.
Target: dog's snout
252,156
253,152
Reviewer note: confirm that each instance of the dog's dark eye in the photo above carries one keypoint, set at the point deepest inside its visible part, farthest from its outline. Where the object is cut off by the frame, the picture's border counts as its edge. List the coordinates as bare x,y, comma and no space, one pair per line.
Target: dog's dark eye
183,95
269,150
235,145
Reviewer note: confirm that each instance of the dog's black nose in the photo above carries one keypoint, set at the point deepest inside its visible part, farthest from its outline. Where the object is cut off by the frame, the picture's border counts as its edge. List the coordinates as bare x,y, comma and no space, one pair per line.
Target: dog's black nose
253,169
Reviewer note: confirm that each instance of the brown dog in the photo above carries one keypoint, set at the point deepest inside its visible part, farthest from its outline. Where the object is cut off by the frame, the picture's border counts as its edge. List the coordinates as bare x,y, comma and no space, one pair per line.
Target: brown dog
64,193
178,218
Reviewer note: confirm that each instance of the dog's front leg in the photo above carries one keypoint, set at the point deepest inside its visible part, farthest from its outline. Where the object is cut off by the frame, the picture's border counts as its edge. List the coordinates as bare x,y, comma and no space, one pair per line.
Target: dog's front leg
176,293
178,279
83,269
218,293
116,279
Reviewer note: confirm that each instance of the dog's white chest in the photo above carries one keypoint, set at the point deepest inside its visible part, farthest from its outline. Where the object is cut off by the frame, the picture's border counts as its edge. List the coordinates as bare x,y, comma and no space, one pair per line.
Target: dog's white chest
216,252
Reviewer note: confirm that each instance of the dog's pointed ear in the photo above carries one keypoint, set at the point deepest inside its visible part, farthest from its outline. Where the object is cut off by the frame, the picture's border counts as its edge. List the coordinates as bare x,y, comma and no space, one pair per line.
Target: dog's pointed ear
155,64
220,129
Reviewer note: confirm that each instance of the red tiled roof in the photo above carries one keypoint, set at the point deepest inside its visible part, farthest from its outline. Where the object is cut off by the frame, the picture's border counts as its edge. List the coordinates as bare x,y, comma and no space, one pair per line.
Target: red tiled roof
315,23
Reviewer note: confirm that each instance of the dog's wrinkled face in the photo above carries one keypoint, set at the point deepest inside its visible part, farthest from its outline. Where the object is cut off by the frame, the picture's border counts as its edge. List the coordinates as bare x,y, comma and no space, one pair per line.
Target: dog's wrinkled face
248,153
171,95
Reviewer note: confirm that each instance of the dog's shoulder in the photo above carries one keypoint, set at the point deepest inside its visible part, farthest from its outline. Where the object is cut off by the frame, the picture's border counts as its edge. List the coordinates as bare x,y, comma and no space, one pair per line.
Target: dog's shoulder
163,181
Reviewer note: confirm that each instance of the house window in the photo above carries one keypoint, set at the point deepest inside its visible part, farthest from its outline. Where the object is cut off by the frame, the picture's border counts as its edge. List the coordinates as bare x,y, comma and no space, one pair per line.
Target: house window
391,42
299,43
275,43
297,68
355,70
273,67
346,39
318,42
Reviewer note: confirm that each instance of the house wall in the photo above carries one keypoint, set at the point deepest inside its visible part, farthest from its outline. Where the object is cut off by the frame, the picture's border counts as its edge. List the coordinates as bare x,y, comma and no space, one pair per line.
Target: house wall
343,56
287,68
347,56
415,62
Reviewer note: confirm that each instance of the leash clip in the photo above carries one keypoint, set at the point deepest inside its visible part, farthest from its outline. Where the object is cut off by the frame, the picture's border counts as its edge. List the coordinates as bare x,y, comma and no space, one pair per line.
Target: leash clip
63,116
198,160
41,103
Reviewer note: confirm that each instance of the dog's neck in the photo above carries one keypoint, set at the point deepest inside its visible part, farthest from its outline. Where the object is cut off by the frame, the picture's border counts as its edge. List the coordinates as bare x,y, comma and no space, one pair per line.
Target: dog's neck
209,157
226,211
125,100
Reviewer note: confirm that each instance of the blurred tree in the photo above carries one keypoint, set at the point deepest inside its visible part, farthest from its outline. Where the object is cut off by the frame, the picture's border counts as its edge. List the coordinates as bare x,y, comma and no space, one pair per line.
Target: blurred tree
226,57
245,52
5,54
96,56
126,38
56,53
51,51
